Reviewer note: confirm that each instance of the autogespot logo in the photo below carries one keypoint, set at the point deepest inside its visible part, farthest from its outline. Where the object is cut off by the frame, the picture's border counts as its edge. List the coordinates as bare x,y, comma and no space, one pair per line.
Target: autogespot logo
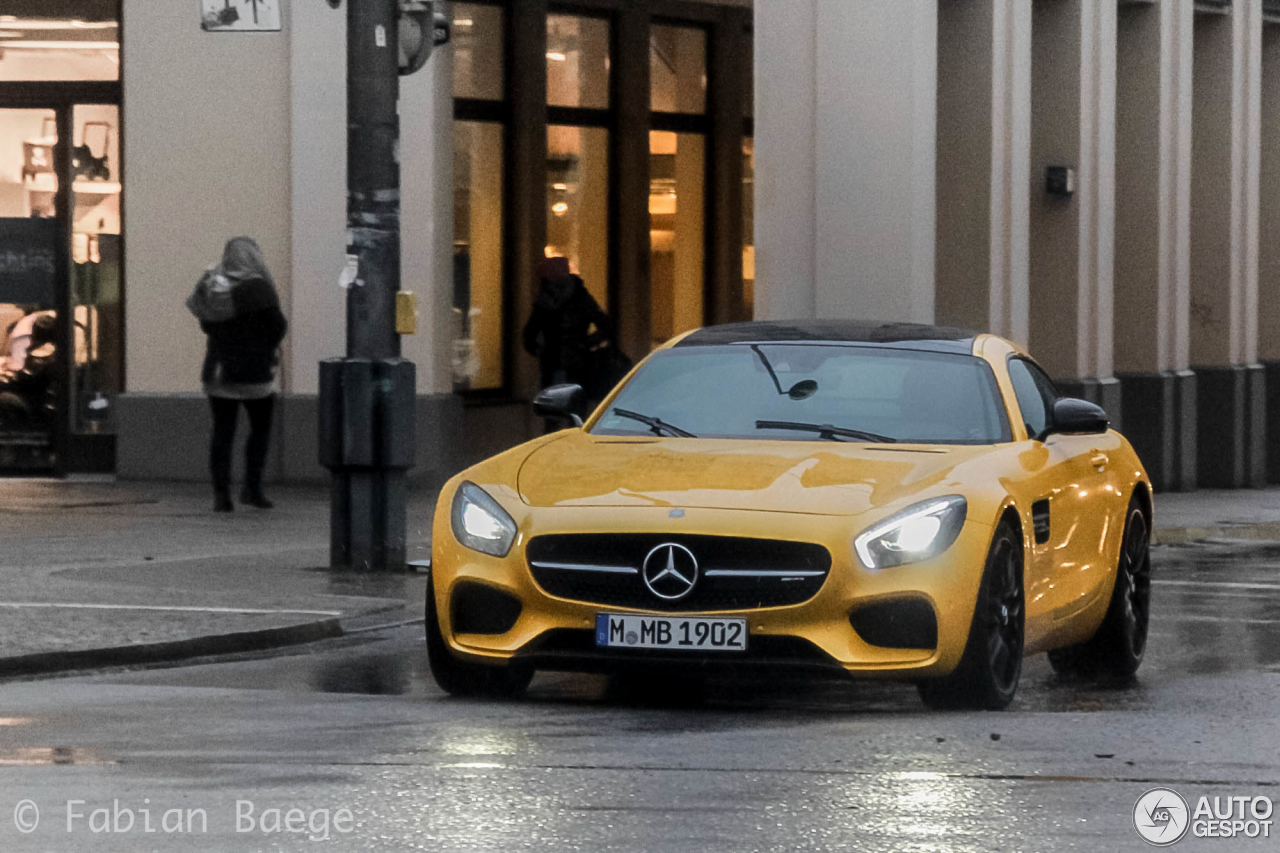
1161,817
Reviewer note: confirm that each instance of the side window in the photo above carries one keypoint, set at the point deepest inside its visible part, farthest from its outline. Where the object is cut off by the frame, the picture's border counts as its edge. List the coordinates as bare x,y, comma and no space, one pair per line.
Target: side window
1035,393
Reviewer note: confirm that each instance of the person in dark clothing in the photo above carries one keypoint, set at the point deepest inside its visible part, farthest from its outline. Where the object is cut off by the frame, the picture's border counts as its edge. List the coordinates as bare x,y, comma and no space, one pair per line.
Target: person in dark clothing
239,311
27,395
567,328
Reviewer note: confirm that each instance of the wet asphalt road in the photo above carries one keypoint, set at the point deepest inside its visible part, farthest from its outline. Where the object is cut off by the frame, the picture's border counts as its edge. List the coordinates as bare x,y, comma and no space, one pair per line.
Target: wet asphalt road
587,763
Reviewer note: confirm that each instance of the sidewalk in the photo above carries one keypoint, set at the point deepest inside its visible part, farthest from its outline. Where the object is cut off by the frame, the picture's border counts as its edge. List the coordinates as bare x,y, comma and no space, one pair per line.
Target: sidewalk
101,573
1217,514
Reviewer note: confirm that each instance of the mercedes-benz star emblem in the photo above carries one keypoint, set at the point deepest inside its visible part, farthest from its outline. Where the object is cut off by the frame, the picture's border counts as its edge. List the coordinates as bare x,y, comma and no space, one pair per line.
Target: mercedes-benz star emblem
670,571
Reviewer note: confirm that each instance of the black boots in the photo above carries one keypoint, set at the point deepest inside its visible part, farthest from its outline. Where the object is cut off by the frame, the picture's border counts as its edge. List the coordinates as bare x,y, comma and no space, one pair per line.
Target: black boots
249,496
253,496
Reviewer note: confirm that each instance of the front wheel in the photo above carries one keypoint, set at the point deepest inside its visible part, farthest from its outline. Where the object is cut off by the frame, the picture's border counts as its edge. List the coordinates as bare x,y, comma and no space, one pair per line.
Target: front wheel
1118,646
987,676
459,678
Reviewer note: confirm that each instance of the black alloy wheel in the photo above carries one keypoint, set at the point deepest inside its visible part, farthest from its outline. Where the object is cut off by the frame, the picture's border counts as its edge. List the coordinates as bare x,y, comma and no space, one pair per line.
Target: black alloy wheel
1118,646
987,676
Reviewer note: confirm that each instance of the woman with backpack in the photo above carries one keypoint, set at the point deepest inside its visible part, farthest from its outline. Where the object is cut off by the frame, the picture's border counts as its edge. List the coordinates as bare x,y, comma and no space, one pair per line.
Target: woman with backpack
239,311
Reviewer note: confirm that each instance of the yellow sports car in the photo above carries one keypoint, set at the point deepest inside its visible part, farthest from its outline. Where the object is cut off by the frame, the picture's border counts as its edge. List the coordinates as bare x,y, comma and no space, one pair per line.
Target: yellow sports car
903,501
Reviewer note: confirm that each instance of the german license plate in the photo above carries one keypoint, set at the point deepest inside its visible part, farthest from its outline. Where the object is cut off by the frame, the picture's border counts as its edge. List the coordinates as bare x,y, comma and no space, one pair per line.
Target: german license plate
663,632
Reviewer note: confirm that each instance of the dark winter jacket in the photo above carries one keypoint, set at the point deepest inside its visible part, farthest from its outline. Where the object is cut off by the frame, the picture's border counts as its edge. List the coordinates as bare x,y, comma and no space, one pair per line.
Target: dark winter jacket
242,350
559,331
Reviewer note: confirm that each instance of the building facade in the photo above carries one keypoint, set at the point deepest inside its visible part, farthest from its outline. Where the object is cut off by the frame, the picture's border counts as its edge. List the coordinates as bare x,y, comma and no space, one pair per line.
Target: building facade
1097,179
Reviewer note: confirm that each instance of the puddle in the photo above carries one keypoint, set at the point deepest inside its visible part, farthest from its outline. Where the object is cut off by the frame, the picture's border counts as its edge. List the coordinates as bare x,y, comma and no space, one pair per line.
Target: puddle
377,676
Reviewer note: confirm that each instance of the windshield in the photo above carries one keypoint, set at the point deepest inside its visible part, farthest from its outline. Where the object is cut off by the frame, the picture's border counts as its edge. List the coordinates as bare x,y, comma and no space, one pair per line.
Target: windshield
807,392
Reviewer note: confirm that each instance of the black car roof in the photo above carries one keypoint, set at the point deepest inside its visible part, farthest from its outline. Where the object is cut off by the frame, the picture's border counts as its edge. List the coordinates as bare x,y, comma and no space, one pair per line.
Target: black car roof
903,335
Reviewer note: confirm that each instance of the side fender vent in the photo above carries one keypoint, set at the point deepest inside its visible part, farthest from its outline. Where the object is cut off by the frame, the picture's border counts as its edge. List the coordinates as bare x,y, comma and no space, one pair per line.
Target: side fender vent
1040,518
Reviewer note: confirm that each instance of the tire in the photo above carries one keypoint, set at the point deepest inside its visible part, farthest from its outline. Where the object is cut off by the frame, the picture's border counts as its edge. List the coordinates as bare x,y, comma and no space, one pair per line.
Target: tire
987,676
1116,649
460,678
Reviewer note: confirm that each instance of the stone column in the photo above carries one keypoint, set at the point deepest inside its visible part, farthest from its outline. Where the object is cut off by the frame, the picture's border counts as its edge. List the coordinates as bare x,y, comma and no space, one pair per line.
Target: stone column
1226,147
845,158
984,133
1073,74
1153,221
1269,244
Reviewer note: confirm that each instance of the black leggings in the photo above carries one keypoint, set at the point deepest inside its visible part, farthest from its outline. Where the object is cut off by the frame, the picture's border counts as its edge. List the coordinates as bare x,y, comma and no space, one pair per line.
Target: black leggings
225,412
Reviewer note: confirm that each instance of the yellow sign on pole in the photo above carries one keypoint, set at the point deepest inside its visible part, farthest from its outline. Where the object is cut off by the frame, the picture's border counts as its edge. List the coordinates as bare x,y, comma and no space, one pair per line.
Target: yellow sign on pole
406,313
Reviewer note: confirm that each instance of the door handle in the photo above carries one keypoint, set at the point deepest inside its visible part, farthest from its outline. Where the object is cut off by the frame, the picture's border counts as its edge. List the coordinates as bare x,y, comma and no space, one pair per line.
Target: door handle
1100,460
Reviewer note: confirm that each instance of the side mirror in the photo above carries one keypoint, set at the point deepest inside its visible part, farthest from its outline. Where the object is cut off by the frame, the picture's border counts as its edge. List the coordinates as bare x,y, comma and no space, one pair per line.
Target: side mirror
559,401
1078,417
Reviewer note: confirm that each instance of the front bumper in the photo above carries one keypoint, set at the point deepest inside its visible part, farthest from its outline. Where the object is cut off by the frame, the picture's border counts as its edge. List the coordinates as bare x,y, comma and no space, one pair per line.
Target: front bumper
557,633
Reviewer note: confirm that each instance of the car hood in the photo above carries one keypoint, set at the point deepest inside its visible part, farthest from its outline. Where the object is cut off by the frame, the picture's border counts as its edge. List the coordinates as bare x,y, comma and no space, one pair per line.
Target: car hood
824,478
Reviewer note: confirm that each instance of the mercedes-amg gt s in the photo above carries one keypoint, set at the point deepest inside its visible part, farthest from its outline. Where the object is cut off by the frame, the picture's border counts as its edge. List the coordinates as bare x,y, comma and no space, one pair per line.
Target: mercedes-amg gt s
903,501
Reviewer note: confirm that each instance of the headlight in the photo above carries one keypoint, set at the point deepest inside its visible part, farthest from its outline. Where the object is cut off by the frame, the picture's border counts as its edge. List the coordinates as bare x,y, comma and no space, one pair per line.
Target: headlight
480,523
917,533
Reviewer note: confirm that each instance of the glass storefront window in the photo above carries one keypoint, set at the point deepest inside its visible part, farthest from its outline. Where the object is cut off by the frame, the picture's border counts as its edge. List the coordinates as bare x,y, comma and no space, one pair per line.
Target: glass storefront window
30,366
677,169
34,48
678,70
577,61
478,51
477,254
748,227
578,203
96,270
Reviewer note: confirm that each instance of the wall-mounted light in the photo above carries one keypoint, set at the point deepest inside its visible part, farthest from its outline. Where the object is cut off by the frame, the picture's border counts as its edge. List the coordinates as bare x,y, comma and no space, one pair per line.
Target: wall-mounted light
560,187
1060,181
62,45
10,22
556,56
560,208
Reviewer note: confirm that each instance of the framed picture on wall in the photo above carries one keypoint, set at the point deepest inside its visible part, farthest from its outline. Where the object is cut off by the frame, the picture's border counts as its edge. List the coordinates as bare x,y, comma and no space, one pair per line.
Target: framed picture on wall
231,16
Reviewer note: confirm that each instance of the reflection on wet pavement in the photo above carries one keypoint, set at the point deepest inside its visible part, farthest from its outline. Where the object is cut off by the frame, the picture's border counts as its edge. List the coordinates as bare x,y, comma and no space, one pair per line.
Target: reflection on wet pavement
639,764
42,756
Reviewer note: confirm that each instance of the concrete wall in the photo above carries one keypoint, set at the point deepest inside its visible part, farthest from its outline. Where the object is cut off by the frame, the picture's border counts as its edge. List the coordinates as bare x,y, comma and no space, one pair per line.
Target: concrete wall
845,158
207,151
983,133
318,214
1269,224
246,134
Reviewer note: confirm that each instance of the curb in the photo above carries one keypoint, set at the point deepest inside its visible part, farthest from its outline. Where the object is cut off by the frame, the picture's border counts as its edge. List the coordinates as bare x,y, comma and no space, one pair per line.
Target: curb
1260,531
45,663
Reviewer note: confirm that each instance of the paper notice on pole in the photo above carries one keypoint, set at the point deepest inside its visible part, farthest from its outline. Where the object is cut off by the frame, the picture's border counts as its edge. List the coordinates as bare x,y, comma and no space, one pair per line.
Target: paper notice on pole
380,35
350,273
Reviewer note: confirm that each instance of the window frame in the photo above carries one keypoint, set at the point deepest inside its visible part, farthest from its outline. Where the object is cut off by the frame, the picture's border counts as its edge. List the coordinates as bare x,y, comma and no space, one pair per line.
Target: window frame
1037,374
724,120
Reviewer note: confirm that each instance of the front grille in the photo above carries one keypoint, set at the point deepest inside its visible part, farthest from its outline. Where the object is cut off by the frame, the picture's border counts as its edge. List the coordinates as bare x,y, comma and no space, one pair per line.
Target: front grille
734,573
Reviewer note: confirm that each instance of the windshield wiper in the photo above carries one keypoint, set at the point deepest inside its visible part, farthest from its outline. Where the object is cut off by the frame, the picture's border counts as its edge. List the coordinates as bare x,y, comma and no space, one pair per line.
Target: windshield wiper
656,425
826,431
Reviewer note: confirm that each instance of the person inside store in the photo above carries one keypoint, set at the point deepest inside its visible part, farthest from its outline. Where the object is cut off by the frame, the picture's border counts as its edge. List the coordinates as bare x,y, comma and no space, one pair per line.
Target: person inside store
571,336
238,308
27,397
